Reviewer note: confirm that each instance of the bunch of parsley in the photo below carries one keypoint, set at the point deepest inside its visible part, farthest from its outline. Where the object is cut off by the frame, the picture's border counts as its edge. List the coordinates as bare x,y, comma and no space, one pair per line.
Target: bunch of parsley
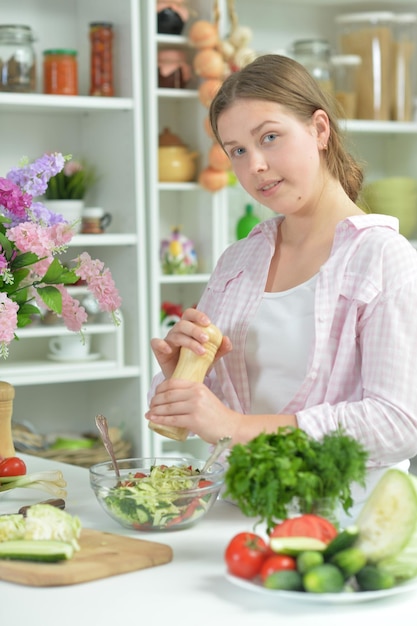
269,473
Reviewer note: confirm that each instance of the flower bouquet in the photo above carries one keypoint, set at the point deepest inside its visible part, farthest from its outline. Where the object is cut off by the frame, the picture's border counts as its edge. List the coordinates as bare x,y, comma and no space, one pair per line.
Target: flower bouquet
31,239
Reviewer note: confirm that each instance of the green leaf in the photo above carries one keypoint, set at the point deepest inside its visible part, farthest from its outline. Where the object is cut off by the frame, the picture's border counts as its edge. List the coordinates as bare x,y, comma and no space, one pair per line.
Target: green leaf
24,259
57,274
6,245
28,309
52,297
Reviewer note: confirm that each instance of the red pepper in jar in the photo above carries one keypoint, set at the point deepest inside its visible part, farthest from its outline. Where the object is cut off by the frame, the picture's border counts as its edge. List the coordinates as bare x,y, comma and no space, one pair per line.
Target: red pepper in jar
101,61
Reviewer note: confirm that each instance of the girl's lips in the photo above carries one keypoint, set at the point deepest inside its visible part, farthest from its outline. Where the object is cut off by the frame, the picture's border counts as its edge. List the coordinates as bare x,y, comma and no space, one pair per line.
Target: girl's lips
268,188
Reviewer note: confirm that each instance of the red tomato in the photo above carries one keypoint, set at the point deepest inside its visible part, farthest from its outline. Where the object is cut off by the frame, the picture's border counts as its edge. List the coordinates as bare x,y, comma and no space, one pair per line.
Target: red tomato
307,525
12,466
276,563
245,554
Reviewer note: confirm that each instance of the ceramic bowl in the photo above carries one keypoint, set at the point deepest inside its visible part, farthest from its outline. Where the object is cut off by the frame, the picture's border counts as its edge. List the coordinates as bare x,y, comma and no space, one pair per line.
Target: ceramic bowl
396,196
164,501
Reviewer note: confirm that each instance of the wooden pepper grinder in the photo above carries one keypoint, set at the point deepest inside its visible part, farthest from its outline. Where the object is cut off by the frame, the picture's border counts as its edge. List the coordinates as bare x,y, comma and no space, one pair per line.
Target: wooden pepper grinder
6,409
192,367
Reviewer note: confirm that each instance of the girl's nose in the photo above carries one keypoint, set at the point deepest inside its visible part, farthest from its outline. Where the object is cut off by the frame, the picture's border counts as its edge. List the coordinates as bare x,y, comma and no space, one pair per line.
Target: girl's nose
257,162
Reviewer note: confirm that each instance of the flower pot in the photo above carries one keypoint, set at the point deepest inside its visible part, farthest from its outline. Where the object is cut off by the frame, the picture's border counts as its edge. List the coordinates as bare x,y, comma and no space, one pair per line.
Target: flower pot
71,210
6,409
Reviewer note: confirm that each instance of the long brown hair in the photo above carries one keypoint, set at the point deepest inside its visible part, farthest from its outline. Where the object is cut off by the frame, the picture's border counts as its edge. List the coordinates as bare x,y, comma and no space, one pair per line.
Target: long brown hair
283,80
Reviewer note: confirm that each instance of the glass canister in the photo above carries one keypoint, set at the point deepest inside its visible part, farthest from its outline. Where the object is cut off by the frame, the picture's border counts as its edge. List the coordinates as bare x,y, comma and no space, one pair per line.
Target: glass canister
370,35
101,59
315,55
60,72
17,59
405,66
345,69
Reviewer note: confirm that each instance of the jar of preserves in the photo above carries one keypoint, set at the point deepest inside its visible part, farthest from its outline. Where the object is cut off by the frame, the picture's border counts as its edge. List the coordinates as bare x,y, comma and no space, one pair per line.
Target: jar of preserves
17,59
101,59
315,55
60,72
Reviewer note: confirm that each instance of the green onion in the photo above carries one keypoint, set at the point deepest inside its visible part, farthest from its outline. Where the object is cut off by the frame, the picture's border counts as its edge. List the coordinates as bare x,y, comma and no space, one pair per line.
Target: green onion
51,481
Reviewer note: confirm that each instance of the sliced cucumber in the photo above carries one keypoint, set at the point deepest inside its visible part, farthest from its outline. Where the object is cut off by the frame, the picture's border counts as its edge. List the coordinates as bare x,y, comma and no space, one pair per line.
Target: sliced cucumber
295,545
36,550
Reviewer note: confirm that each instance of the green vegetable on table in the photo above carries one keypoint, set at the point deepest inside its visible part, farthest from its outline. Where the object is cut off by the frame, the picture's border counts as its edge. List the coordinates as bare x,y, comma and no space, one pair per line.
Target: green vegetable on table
267,475
51,481
387,525
45,534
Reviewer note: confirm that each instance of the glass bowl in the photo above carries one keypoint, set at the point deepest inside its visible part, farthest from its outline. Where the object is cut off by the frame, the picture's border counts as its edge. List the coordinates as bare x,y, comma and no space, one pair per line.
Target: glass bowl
157,494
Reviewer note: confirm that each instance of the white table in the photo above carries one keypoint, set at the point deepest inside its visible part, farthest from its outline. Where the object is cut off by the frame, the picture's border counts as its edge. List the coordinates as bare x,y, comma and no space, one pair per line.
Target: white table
192,589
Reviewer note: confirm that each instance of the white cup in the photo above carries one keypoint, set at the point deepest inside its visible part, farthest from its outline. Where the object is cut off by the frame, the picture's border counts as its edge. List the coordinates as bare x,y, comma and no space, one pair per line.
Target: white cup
71,347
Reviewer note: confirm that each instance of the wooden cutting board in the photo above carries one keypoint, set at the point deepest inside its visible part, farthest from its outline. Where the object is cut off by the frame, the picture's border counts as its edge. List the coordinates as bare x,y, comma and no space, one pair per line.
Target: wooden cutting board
101,555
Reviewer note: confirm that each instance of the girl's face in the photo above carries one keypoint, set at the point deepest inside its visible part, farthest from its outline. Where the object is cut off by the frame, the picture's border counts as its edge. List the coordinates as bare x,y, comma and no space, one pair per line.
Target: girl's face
275,156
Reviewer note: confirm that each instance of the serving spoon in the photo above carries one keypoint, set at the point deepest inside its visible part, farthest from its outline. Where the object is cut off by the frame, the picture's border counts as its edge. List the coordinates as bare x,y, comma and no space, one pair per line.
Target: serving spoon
221,445
101,423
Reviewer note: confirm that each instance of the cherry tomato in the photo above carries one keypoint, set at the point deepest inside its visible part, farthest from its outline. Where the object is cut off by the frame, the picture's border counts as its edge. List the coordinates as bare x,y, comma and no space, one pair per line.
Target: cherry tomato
276,563
12,466
307,525
245,554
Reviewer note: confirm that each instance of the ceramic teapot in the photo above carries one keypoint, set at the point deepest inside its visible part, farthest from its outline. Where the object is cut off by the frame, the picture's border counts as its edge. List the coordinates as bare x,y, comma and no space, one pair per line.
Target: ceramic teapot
175,161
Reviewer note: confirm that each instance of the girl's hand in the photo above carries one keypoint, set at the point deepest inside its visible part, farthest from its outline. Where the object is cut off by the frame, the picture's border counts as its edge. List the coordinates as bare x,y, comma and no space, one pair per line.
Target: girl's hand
192,406
188,332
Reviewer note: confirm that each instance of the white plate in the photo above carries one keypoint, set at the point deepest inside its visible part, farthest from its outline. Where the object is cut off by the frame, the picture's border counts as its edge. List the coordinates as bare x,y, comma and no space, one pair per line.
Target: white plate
323,598
64,359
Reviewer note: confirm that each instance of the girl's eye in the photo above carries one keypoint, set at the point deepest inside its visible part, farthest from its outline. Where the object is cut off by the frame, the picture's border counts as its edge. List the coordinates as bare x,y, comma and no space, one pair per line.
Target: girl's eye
269,137
237,152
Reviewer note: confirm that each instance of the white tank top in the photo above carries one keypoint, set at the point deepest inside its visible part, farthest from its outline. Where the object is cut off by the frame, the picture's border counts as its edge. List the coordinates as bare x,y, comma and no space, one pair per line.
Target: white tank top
278,346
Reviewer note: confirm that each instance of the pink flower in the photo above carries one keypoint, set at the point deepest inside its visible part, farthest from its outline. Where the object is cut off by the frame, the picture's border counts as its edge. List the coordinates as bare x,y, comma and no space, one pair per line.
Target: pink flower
99,282
73,314
8,322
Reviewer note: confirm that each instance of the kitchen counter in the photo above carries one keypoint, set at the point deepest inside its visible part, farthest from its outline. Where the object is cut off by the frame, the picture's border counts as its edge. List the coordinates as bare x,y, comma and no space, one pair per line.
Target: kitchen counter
192,588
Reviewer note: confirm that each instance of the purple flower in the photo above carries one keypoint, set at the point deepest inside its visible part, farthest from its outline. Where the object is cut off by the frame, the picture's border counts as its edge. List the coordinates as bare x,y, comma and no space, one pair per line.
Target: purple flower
41,214
33,177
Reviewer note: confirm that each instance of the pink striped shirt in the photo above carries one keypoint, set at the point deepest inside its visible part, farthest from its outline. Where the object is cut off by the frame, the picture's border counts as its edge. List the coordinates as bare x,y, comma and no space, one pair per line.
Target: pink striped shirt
361,373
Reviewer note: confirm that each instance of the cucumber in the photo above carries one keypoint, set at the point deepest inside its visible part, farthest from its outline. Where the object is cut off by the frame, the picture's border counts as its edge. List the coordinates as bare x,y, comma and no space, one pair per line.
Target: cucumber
326,578
36,550
349,561
345,539
308,559
288,580
294,545
372,578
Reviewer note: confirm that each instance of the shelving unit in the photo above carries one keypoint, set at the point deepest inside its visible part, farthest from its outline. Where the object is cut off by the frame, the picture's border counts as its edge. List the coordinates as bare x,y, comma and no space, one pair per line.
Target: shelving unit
107,133
388,148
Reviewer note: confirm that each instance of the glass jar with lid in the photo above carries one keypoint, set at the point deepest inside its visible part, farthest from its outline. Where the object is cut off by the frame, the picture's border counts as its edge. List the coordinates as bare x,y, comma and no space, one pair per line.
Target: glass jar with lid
17,59
404,79
314,55
370,35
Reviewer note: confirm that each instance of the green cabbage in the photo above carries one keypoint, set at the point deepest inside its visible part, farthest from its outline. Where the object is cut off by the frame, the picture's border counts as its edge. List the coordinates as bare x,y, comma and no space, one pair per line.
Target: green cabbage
12,527
387,525
44,521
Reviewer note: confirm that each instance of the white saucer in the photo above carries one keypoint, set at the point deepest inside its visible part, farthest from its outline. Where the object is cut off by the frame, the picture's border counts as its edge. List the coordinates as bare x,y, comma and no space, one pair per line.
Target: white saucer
64,359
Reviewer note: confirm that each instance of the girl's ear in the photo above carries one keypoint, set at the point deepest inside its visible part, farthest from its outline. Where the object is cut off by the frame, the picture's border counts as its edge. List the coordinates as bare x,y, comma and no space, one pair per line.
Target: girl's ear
321,125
